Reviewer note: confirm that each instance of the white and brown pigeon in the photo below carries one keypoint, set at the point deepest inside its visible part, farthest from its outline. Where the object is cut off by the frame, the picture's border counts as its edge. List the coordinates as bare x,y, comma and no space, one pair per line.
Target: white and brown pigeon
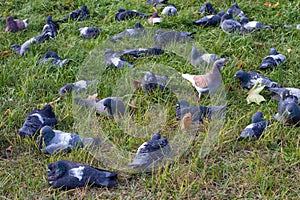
208,82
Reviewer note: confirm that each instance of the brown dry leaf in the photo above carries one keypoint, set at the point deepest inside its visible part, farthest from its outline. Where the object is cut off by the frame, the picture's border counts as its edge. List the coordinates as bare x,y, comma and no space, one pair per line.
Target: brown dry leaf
268,4
69,1
279,14
259,43
276,5
240,64
4,53
92,97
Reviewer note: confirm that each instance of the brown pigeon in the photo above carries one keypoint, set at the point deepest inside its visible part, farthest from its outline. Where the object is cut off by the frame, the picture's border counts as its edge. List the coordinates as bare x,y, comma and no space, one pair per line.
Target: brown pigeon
208,82
155,19
14,25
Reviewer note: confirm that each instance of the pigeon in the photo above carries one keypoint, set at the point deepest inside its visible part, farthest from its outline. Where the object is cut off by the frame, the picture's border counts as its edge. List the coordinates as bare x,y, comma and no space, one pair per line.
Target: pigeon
24,48
137,30
114,59
272,60
249,79
150,153
237,11
282,93
253,25
36,120
198,113
143,52
89,32
163,38
151,82
82,14
207,8
151,2
288,111
69,175
50,30
208,82
51,56
229,24
123,14
210,20
52,141
197,59
155,19
14,25
256,128
169,10
111,106
78,86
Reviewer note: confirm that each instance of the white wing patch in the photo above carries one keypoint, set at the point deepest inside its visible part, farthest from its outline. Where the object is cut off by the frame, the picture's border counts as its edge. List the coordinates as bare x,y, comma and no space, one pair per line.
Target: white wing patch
115,61
39,116
77,172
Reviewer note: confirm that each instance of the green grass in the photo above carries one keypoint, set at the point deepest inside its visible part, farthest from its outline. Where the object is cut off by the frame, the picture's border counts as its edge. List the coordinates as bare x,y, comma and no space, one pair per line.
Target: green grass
264,169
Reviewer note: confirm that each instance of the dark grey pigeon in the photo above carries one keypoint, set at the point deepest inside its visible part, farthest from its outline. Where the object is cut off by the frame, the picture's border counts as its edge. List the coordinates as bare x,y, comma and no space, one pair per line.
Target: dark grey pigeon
252,25
288,111
114,59
52,141
205,59
25,47
207,8
111,106
89,32
143,52
237,11
199,113
169,10
67,174
229,24
77,87
151,153
51,56
272,60
256,128
36,120
163,38
82,14
152,82
123,14
282,93
210,20
137,30
151,2
249,79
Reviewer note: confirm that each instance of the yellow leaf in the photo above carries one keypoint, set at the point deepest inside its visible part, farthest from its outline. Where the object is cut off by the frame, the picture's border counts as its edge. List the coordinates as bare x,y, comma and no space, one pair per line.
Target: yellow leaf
253,94
92,97
275,5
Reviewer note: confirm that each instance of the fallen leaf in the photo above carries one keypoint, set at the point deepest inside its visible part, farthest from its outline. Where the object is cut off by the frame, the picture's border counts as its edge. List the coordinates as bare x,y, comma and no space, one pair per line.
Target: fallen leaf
4,53
276,5
268,4
253,94
239,64
92,97
259,43
7,112
289,50
9,148
69,1
279,14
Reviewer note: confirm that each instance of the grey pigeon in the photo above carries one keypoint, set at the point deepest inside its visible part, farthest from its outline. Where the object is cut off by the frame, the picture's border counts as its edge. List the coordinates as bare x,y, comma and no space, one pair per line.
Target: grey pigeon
163,38
137,30
208,82
198,59
52,141
155,19
82,14
14,25
50,30
51,56
207,8
210,20
111,106
237,11
25,47
36,120
272,60
77,87
199,112
123,14
169,10
114,59
249,79
67,174
229,24
140,52
151,2
256,128
151,153
282,93
89,32
252,25
152,81
288,111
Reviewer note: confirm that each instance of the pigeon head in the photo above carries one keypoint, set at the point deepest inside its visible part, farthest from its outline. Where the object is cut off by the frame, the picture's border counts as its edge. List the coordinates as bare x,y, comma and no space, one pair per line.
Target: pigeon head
108,106
156,136
242,75
172,5
138,25
66,89
273,51
155,14
227,15
244,20
121,10
47,111
47,134
56,170
16,48
220,63
83,8
292,113
257,117
49,19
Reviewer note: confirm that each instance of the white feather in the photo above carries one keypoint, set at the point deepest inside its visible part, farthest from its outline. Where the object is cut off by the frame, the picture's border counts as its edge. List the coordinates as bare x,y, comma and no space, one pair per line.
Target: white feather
77,172
39,116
